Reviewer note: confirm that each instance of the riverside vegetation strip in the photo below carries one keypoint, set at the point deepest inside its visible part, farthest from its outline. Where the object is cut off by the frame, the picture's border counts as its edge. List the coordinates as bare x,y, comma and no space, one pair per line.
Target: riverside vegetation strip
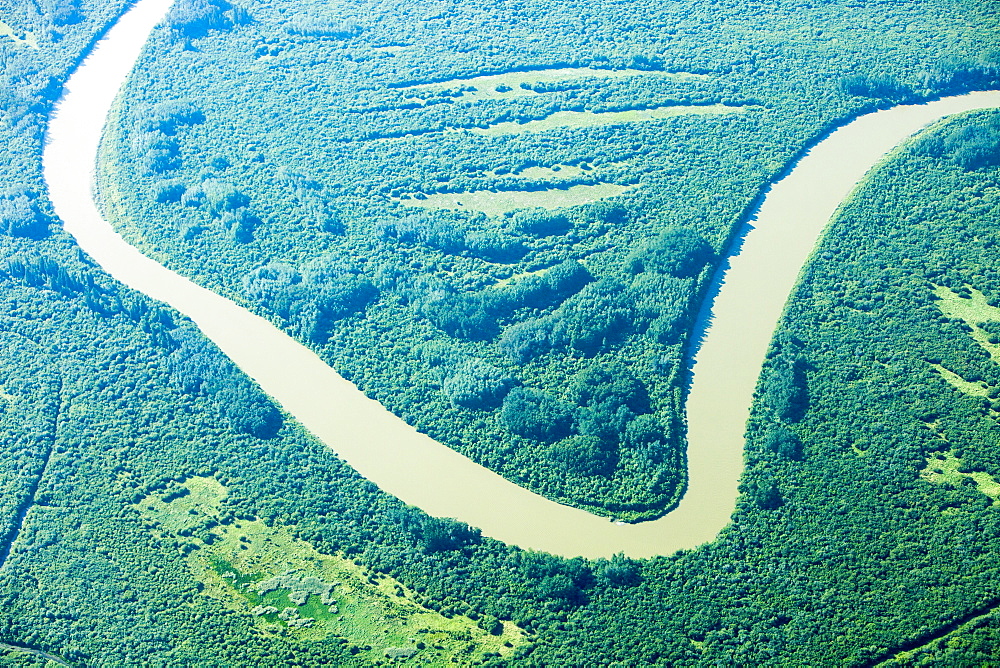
91,570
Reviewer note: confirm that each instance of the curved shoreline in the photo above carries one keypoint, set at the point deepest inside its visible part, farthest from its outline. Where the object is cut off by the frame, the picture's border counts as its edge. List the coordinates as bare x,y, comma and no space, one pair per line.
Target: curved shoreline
431,476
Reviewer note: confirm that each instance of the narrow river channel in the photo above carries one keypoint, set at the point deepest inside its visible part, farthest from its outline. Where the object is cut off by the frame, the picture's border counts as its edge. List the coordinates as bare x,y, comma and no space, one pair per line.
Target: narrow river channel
410,465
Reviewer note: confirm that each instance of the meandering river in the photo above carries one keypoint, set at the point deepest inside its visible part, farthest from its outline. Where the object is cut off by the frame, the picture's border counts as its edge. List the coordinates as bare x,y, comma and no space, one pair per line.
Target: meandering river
410,465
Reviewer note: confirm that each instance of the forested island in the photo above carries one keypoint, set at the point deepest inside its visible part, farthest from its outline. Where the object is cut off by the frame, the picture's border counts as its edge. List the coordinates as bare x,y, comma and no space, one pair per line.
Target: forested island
507,247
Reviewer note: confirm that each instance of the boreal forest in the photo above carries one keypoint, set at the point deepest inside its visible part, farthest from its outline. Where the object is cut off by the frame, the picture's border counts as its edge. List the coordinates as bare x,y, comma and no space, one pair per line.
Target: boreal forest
500,221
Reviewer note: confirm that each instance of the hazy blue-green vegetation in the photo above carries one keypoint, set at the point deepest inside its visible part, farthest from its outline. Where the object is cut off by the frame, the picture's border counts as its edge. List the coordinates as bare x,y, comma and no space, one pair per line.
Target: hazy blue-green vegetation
866,531
381,178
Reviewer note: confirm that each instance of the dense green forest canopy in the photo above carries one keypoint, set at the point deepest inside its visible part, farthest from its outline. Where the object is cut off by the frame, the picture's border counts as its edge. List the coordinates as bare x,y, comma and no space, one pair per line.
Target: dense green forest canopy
867,531
502,199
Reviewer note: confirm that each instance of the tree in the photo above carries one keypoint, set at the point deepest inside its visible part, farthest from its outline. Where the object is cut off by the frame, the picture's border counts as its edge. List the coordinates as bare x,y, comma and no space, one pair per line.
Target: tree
494,246
767,496
783,441
582,455
527,340
619,571
647,436
567,278
476,384
880,86
436,534
221,196
536,414
971,145
196,18
786,391
540,223
609,385
594,318
249,410
20,217
463,316
678,251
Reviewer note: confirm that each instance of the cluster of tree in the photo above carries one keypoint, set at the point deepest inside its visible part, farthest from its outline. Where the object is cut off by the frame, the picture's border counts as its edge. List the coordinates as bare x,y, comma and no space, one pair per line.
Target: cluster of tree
477,316
477,384
881,87
313,300
155,144
971,145
309,26
197,367
21,215
197,18
449,233
609,311
964,73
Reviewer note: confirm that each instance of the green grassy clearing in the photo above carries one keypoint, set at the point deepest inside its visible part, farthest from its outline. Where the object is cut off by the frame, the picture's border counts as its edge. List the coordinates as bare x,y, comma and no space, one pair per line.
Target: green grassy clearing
973,311
589,119
287,587
508,85
979,389
943,468
497,203
29,37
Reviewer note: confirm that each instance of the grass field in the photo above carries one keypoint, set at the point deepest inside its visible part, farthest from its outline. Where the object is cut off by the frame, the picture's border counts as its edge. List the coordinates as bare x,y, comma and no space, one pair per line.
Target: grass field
495,203
973,310
8,31
945,468
288,587
979,389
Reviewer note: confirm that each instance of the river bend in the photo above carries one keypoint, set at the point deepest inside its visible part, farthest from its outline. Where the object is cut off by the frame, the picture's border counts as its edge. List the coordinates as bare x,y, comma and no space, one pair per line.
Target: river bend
410,465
